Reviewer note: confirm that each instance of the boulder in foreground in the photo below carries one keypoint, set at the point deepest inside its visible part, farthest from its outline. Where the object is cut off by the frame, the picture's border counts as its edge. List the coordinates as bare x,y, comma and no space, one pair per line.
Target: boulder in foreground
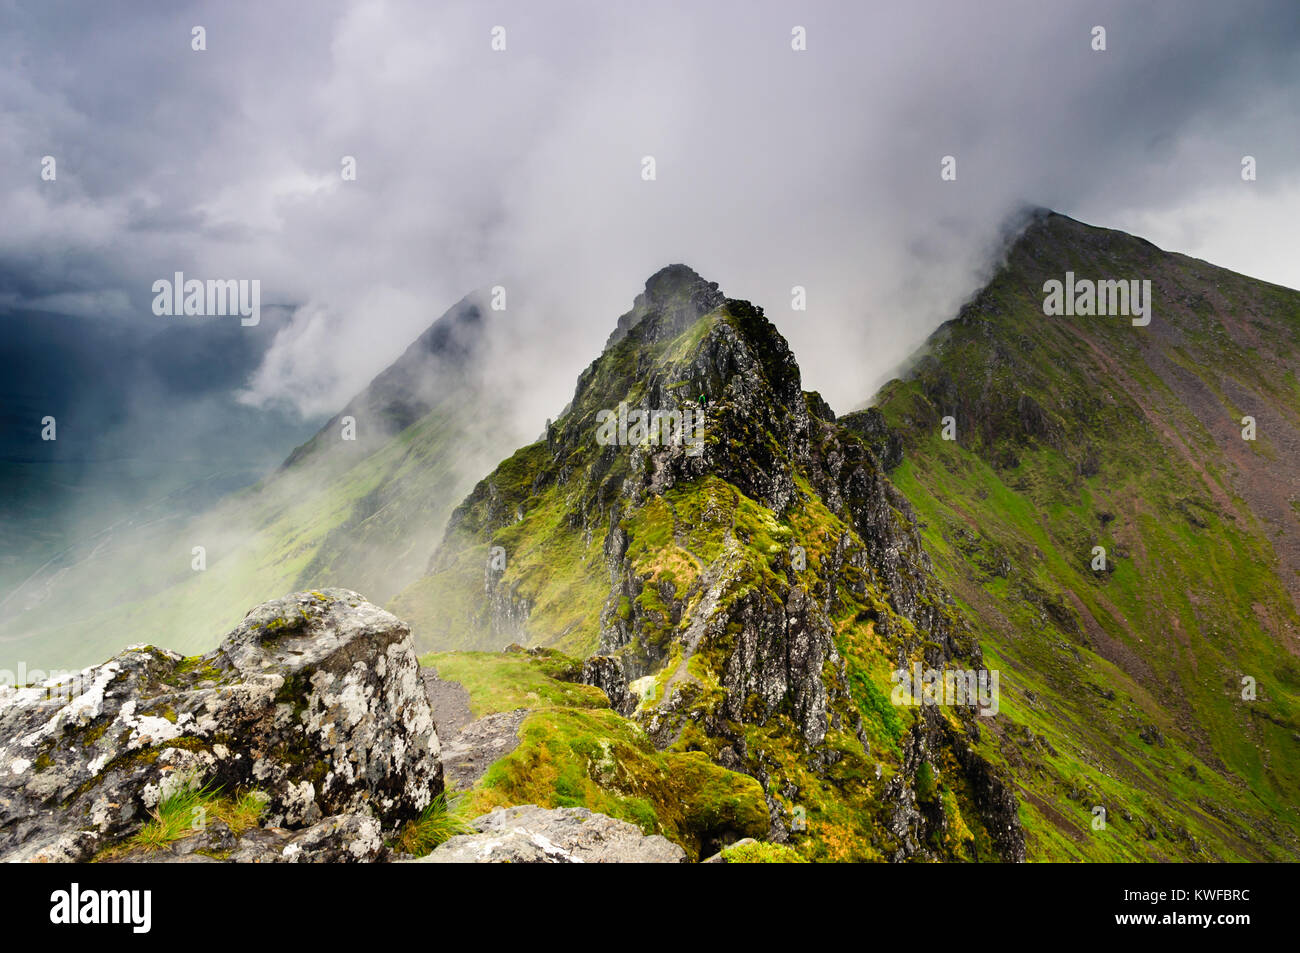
313,705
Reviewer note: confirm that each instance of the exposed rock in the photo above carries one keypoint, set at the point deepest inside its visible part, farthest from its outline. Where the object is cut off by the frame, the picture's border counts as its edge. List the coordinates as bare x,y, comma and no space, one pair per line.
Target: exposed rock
606,673
884,442
569,835
343,838
315,700
1152,735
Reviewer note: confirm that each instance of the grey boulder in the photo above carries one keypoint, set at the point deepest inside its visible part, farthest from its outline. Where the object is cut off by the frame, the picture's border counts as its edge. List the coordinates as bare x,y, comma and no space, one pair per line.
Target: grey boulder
315,700
568,835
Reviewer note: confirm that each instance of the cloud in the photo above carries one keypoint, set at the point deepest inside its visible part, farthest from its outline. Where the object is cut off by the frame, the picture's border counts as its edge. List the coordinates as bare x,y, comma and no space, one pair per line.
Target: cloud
522,168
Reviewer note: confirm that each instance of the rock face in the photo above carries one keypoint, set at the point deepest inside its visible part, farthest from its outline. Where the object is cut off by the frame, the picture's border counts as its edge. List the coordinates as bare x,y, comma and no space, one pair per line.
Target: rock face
750,581
607,674
314,700
569,835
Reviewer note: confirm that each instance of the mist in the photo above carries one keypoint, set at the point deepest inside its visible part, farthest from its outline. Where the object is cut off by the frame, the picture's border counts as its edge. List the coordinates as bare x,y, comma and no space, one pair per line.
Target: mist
523,169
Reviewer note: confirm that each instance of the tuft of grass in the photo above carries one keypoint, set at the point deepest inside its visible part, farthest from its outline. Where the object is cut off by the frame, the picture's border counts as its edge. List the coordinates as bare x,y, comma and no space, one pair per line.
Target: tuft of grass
243,812
440,821
174,818
187,812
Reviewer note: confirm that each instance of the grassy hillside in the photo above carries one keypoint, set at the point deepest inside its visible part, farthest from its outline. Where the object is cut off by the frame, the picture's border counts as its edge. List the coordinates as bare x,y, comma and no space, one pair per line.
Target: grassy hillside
576,752
1124,685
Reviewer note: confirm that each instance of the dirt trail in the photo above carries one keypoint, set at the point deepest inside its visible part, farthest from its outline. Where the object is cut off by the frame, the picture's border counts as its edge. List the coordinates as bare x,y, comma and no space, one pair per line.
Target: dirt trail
450,701
469,745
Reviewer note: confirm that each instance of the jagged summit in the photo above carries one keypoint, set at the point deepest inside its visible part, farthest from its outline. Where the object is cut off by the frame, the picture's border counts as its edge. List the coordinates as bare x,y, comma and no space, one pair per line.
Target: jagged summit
744,590
677,294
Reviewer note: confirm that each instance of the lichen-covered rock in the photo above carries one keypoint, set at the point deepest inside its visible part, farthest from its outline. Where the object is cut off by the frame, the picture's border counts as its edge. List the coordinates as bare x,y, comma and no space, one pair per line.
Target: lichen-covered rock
315,700
528,834
343,838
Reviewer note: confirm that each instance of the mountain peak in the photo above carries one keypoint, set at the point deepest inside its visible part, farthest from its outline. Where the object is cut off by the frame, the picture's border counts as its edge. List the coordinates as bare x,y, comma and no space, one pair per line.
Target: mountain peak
743,572
678,295
1044,240
1086,482
438,364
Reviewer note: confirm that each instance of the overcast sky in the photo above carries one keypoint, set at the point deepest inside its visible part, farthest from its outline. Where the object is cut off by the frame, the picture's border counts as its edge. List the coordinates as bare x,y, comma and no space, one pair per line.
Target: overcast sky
523,167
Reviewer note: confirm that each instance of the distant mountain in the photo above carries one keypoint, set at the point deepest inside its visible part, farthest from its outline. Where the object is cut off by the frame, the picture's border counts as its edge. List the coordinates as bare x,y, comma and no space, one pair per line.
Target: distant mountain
1123,683
362,513
444,364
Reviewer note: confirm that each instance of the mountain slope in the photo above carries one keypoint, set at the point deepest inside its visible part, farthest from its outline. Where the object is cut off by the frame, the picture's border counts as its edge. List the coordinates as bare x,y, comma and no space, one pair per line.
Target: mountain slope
748,593
1124,684
362,514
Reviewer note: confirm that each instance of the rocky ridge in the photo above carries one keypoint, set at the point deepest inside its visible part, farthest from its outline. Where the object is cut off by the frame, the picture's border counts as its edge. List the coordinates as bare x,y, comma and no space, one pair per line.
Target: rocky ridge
746,585
314,702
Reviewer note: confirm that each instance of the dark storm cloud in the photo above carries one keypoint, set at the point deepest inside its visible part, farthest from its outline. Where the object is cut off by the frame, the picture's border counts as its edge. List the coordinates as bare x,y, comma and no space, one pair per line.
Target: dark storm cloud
522,168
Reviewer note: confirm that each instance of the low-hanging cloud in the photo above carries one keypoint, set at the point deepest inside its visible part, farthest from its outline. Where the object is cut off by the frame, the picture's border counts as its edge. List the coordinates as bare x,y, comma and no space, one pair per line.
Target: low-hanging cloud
522,168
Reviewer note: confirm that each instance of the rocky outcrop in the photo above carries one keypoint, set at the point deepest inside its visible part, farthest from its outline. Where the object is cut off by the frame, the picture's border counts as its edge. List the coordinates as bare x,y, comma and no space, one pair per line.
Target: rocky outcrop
569,835
314,701
607,674
884,441
756,556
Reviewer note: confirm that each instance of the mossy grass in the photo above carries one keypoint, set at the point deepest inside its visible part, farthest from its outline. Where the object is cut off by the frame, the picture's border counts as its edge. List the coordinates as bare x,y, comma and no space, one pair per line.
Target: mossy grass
762,852
505,681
